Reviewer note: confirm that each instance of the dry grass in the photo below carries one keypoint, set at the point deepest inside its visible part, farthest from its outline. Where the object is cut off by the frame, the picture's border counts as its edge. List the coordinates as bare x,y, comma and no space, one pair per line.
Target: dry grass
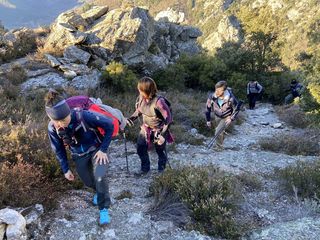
305,143
293,115
302,179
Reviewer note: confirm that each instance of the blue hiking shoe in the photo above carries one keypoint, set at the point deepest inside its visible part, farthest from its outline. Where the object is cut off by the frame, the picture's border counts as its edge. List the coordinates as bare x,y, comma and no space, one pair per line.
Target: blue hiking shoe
95,200
104,217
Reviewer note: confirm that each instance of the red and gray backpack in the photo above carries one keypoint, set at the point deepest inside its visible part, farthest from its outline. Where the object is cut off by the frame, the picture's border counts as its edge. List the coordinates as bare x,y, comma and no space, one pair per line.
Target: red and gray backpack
79,103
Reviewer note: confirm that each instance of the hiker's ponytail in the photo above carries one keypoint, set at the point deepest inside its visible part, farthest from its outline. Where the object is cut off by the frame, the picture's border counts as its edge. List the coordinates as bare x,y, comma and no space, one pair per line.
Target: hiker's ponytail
52,98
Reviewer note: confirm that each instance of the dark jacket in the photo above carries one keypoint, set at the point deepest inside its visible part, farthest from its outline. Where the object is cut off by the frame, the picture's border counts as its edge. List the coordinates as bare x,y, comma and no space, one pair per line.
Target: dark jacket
296,89
224,110
84,139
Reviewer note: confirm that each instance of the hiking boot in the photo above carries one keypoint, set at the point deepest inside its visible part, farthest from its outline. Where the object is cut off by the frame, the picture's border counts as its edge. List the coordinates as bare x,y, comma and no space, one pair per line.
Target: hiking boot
104,217
140,173
95,200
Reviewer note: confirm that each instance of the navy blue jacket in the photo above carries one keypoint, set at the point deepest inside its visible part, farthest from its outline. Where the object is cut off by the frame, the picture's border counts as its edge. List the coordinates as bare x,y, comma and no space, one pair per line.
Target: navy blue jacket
84,139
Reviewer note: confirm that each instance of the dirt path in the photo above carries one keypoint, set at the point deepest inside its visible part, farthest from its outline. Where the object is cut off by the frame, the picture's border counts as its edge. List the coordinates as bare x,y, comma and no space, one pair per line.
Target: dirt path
76,218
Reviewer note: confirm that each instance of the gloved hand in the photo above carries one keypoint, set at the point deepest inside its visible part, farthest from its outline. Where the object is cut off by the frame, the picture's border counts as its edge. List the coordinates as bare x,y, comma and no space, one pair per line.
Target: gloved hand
209,124
158,138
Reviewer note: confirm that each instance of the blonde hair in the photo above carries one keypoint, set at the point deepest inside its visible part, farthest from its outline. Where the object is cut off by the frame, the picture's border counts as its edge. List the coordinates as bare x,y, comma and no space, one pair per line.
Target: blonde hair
148,86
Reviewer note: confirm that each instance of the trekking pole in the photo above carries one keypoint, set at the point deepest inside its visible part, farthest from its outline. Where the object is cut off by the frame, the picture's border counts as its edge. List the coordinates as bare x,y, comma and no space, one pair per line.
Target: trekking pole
125,149
217,135
165,152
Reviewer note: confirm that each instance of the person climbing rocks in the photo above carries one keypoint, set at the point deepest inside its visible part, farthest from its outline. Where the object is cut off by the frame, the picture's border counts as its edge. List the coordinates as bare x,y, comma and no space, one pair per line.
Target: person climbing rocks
254,89
77,131
223,103
296,90
156,119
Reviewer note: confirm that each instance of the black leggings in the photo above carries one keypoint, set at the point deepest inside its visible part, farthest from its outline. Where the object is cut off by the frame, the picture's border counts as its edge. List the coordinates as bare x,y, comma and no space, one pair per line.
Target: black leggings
142,150
87,169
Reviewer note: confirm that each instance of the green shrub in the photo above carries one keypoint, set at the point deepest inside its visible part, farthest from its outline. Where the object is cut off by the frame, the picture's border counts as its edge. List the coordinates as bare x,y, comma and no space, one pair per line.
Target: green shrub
298,144
119,77
209,194
304,176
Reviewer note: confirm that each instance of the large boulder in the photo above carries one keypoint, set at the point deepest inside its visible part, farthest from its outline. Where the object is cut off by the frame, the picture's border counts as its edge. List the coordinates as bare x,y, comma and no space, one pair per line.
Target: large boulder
129,35
15,224
49,80
76,55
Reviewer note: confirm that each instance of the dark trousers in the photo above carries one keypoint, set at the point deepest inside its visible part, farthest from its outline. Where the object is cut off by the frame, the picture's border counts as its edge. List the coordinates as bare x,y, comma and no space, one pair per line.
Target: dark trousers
252,97
142,150
87,170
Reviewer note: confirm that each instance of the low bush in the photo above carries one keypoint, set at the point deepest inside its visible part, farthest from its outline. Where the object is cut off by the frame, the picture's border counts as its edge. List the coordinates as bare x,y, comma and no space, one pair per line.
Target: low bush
302,177
293,115
16,75
299,144
119,77
25,43
208,193
23,184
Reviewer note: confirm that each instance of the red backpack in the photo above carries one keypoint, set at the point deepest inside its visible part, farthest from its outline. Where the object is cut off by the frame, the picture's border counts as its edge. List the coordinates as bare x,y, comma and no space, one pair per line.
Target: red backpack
85,103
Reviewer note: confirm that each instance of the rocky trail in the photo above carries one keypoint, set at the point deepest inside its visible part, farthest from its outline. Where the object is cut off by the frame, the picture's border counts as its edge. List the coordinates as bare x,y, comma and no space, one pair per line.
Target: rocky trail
280,216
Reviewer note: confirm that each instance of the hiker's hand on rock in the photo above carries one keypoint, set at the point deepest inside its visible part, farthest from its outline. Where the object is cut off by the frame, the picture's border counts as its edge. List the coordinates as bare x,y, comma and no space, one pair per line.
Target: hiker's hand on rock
129,122
101,158
69,175
208,124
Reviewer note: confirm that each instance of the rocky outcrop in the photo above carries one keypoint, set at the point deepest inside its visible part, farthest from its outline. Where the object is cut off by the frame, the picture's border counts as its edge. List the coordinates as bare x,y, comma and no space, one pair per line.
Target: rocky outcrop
13,223
170,15
228,30
129,35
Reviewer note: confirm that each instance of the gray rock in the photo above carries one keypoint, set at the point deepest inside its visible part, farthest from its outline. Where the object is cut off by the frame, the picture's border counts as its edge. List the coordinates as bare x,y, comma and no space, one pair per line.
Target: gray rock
228,30
49,80
76,55
79,69
110,234
16,224
193,131
305,228
136,218
52,60
94,13
277,125
170,15
90,80
70,74
36,73
33,213
265,123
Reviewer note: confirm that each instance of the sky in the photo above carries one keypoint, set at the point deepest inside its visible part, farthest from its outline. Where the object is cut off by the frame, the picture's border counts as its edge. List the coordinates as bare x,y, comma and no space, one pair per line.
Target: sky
32,13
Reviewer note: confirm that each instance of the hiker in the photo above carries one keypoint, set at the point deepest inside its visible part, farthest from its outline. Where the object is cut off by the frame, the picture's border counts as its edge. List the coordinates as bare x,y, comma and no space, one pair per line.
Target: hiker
156,118
223,103
254,89
76,130
296,89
